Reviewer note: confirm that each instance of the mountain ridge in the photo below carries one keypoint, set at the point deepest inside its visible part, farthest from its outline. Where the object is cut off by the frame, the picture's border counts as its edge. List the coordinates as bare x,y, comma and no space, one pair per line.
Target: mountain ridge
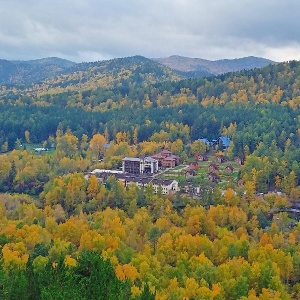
34,71
213,67
22,72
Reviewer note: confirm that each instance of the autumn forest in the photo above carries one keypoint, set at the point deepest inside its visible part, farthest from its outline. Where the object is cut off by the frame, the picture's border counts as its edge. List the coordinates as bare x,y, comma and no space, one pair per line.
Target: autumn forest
62,229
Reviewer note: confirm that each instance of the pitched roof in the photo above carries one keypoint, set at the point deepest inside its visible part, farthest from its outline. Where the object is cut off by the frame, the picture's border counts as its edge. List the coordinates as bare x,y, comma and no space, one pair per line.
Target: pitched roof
165,151
149,158
170,158
162,181
214,166
229,167
225,140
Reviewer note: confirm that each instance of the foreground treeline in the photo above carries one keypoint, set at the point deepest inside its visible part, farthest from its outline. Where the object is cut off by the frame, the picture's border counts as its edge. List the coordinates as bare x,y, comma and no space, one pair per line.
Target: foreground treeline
89,277
239,247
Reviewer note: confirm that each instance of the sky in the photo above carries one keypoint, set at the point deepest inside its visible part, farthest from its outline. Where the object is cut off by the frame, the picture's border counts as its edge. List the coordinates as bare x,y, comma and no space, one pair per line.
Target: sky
92,30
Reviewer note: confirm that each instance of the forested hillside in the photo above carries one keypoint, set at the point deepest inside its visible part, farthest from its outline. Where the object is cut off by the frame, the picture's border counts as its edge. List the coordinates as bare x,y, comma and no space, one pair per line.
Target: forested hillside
258,109
20,72
239,239
35,71
70,73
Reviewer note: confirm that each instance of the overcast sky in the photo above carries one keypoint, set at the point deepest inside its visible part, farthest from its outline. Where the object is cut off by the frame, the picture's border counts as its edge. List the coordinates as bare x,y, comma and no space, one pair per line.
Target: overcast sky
90,30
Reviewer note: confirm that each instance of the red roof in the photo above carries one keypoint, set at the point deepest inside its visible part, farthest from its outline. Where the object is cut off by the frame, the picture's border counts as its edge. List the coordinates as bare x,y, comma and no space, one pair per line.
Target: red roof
165,151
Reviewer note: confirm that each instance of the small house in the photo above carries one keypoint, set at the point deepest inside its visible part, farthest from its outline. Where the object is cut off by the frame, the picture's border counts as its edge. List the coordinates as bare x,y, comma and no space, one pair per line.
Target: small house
229,169
194,165
189,172
221,159
213,168
222,141
213,177
240,182
201,157
239,160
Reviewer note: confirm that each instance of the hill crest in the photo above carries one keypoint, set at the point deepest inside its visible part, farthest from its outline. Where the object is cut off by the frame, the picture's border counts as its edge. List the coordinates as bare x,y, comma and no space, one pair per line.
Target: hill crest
213,67
35,71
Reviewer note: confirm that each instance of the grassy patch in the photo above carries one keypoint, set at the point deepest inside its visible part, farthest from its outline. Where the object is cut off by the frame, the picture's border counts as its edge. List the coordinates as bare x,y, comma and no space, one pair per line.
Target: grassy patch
31,149
178,167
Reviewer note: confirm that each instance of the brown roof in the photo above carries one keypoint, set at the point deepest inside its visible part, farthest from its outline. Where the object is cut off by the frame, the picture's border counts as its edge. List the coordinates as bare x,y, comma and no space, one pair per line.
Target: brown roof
213,176
229,167
170,158
165,151
213,166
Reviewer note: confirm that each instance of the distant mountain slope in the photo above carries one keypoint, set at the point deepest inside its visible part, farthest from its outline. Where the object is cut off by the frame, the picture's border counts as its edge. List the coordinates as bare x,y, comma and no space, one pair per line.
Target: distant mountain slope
36,71
60,62
207,67
118,75
139,82
20,72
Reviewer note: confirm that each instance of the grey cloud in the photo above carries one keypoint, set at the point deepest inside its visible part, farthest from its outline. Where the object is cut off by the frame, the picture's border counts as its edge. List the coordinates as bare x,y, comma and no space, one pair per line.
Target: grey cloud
80,29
